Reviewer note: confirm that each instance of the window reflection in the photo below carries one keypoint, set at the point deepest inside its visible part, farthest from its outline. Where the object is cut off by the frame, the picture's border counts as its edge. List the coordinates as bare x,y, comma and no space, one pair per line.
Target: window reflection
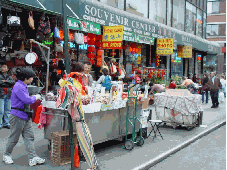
190,18
138,7
157,11
178,14
199,23
114,3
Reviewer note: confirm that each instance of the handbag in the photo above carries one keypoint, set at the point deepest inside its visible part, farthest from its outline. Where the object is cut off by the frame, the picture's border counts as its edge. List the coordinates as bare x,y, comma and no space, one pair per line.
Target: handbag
44,26
206,87
58,48
31,20
13,21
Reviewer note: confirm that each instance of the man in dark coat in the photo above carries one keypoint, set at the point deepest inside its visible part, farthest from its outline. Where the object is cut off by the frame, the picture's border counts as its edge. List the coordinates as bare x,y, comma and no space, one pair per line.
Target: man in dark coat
214,85
6,83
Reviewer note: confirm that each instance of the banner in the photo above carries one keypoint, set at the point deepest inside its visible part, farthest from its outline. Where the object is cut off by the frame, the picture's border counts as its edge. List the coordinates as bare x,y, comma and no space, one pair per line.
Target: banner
164,46
184,51
112,37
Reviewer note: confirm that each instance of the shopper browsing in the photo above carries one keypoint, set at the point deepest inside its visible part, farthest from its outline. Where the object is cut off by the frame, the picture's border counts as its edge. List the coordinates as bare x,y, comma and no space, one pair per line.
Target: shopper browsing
205,87
188,83
223,83
87,78
172,84
156,87
105,79
20,122
6,83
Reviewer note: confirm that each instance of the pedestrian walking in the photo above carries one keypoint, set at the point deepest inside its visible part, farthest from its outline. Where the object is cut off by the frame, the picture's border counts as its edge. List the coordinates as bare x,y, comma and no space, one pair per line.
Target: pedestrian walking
223,84
20,121
205,87
6,83
214,85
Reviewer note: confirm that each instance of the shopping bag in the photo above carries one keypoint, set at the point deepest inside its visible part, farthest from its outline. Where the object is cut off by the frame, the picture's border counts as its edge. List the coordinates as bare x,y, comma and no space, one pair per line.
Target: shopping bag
221,97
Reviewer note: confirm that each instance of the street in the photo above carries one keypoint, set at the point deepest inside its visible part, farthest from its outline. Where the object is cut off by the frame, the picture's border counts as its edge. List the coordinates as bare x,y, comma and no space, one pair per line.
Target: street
207,153
112,156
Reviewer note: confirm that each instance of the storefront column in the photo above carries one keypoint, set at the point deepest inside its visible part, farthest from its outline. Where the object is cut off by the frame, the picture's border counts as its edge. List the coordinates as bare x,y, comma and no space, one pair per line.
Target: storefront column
168,70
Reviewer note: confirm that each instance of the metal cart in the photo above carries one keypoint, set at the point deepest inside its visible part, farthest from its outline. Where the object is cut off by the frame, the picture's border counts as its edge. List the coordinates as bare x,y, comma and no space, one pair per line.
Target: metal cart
139,140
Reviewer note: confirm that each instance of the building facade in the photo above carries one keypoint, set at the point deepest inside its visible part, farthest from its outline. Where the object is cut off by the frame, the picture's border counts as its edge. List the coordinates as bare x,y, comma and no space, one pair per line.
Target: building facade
216,31
144,22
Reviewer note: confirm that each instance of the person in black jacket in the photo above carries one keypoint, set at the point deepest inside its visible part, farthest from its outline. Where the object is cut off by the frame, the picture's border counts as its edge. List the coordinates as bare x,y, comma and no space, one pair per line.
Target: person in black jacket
205,87
6,83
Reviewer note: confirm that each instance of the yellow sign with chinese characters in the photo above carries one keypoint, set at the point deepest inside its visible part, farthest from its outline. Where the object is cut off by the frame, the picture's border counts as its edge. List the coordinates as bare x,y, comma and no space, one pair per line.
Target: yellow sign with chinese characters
112,33
184,51
164,46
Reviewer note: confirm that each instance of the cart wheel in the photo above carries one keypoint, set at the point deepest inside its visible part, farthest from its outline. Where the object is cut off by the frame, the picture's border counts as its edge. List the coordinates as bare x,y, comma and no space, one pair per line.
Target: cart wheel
139,140
129,145
175,127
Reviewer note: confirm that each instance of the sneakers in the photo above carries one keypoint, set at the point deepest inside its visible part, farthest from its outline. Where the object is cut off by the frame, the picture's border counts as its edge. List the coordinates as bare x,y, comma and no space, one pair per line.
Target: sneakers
7,159
35,161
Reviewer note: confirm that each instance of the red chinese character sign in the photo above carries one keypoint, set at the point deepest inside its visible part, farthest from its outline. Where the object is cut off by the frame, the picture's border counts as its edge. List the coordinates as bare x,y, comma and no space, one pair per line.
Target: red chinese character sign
164,46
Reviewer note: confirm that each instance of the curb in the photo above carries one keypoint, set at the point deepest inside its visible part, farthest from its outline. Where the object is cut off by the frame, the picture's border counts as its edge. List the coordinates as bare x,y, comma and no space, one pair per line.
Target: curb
166,154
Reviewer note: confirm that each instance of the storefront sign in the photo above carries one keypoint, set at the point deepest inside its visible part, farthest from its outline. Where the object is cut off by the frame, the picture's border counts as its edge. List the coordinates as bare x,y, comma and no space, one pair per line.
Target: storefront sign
112,45
164,46
102,14
85,26
112,37
184,51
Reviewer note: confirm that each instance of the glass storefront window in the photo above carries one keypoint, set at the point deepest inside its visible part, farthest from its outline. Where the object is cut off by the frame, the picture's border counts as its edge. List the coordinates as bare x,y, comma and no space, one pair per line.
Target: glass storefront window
201,4
169,12
216,30
114,3
138,7
157,10
176,65
178,14
190,18
204,24
199,23
198,3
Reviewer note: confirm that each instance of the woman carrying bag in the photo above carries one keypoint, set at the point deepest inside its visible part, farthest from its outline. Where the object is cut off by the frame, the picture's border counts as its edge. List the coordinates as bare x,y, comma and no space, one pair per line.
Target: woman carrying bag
205,87
19,120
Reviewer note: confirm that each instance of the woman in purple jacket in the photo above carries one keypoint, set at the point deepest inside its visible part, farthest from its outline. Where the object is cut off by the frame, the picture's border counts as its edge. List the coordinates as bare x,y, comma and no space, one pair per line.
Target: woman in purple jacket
19,120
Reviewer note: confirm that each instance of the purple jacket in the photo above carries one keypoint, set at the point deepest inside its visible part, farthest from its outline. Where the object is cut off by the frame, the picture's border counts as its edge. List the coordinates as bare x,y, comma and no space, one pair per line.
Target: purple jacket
19,98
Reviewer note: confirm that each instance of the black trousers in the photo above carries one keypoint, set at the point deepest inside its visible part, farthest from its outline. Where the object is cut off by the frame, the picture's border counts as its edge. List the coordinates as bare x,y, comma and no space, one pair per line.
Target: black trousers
214,97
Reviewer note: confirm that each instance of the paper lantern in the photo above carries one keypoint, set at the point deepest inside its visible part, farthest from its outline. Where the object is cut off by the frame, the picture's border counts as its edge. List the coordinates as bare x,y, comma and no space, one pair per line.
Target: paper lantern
91,49
91,42
124,47
92,61
91,55
133,45
157,64
99,44
99,38
90,35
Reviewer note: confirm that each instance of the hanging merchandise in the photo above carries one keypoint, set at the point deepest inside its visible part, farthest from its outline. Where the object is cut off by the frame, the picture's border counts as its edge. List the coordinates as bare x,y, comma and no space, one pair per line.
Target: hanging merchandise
13,21
99,58
91,49
58,48
31,20
56,33
79,38
91,39
44,27
157,57
91,55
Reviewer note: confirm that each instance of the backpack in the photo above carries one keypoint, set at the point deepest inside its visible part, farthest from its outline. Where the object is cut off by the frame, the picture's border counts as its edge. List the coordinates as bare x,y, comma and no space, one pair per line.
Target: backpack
107,83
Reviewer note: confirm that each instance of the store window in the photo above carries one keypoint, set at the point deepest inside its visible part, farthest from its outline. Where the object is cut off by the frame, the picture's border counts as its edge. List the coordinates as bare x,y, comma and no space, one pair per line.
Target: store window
176,65
190,18
204,24
216,30
157,10
138,7
114,3
178,14
199,23
213,7
201,4
169,12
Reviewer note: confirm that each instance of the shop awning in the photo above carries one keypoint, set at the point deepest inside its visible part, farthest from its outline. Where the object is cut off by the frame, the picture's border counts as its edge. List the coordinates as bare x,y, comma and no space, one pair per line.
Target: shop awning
135,26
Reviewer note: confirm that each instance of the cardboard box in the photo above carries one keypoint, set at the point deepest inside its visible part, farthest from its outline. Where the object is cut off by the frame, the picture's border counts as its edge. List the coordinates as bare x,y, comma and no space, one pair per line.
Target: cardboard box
145,103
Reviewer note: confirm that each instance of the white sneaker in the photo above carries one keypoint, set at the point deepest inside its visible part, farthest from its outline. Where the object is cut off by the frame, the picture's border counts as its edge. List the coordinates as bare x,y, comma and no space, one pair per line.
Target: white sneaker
7,159
35,161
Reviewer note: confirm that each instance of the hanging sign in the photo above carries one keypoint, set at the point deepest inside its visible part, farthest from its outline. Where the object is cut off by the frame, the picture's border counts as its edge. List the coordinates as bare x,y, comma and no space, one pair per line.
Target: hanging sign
184,51
85,26
164,46
112,37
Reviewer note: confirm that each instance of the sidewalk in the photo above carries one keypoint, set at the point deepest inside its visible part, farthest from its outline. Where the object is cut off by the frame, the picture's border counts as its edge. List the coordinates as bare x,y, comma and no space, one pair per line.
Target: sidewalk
111,155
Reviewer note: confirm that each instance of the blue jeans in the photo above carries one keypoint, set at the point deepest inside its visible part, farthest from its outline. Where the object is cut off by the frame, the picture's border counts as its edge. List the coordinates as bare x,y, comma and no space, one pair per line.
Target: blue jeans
203,93
5,107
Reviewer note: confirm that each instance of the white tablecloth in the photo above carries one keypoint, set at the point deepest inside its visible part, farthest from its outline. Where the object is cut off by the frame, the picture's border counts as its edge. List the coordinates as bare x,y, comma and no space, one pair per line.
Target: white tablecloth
184,104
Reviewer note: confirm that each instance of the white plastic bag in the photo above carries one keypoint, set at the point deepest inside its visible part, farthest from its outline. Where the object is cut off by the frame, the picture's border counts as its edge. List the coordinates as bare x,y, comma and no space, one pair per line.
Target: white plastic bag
221,97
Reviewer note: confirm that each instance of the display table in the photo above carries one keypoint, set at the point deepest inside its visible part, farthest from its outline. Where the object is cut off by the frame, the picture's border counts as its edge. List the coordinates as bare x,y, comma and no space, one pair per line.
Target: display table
104,125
